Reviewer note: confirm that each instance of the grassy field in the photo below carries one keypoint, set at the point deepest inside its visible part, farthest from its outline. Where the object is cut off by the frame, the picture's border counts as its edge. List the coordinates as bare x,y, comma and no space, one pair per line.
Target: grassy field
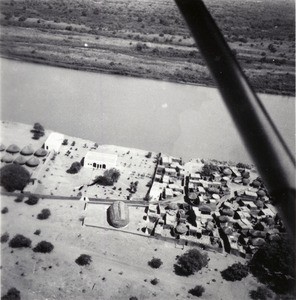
150,39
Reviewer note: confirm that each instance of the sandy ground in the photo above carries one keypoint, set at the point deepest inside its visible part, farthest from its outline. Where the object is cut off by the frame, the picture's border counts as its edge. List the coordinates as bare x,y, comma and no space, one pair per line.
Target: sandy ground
119,261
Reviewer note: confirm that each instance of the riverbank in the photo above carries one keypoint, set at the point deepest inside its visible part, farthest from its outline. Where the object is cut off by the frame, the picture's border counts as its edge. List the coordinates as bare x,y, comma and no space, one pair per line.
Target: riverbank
156,48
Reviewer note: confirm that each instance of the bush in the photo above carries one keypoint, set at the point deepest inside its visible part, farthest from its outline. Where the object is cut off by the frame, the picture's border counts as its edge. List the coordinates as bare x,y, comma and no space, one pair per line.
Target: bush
102,180
32,200
190,262
262,293
14,177
4,237
43,247
37,232
4,210
45,213
154,281
197,291
19,199
133,298
155,263
75,168
12,294
83,260
273,264
38,127
20,241
235,272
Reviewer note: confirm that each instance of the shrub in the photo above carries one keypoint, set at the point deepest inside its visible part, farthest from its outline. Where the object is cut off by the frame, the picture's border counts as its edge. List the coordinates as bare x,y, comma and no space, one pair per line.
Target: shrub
4,210
14,177
235,272
38,127
154,281
190,262
4,237
133,298
32,200
37,232
45,213
12,294
22,19
262,293
83,260
197,291
20,241
43,247
19,199
155,263
75,168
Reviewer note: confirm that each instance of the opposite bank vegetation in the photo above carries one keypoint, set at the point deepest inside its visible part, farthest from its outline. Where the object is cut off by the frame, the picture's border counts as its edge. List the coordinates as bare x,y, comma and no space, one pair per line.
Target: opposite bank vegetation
149,39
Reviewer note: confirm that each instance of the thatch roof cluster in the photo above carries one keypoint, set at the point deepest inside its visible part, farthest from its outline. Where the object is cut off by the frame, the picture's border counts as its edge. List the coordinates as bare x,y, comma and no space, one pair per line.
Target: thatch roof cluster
118,214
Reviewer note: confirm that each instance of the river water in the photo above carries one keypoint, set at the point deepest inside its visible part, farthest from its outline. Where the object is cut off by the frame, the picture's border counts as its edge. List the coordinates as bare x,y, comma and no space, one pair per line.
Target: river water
177,119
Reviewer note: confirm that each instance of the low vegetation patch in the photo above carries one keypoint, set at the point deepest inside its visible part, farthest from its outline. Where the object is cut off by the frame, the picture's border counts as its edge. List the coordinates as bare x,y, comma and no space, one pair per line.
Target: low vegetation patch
154,281
197,291
20,241
235,272
12,294
155,263
190,262
4,210
14,177
43,247
45,213
83,260
19,199
32,200
4,237
37,232
262,293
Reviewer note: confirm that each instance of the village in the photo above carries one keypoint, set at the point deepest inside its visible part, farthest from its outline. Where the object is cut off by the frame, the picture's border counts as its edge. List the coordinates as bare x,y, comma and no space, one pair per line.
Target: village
209,204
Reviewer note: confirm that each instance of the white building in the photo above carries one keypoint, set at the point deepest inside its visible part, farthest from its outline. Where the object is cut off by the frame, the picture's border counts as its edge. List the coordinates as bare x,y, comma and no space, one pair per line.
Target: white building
54,142
99,160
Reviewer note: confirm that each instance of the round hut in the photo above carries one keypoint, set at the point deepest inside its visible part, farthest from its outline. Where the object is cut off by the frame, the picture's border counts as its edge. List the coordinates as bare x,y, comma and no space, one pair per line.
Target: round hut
246,174
256,183
246,181
40,152
227,172
173,206
261,193
33,162
181,228
27,150
8,158
205,209
118,214
2,147
13,149
20,160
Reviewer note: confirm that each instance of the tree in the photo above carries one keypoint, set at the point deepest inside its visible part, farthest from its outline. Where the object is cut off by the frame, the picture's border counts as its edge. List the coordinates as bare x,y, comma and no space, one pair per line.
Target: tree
12,294
83,260
75,168
113,174
45,213
103,180
4,237
190,262
235,272
43,247
197,291
4,210
273,264
20,241
262,293
14,177
154,281
208,169
32,200
38,127
155,263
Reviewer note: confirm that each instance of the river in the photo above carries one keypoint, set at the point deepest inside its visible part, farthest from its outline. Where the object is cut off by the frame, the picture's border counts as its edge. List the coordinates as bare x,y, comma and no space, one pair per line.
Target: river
177,119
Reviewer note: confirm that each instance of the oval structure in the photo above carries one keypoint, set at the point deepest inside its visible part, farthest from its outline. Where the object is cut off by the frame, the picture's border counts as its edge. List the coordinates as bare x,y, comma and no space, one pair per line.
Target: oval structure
118,214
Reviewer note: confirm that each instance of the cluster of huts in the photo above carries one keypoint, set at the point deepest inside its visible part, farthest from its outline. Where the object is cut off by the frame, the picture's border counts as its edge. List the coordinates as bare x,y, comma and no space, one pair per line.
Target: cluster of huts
169,178
25,156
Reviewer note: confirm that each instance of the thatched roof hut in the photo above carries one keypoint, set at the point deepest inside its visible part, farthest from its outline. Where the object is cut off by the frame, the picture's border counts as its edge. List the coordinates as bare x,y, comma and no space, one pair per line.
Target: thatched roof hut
223,219
246,174
173,206
181,228
227,172
205,209
13,149
192,196
8,158
256,183
40,152
27,150
2,147
246,181
118,214
33,162
227,212
228,230
257,241
261,193
20,160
